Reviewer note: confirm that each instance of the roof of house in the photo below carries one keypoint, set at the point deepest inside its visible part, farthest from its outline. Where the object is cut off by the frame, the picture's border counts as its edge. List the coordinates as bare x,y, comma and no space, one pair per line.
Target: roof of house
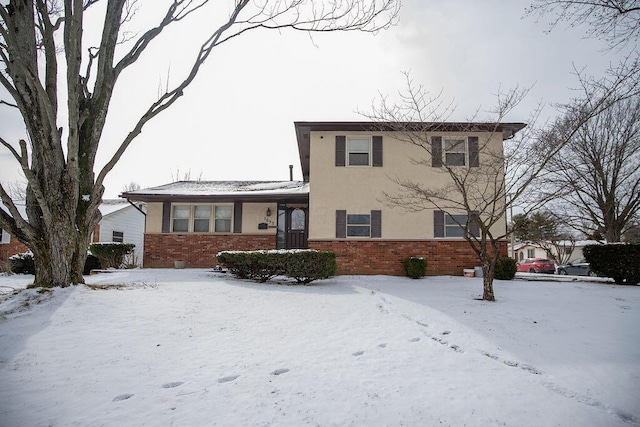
303,129
109,206
224,191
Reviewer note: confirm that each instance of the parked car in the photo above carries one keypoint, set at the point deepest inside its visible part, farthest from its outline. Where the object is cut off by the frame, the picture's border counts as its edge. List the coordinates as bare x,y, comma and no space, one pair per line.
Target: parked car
577,267
536,265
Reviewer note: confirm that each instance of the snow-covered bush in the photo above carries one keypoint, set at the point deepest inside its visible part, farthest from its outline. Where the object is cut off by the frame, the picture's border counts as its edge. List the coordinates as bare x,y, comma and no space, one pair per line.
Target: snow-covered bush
415,267
22,263
307,266
304,266
111,254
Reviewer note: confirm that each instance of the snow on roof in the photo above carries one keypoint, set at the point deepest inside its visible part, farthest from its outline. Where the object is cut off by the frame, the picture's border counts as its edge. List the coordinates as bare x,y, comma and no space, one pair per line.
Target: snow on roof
109,206
20,205
226,188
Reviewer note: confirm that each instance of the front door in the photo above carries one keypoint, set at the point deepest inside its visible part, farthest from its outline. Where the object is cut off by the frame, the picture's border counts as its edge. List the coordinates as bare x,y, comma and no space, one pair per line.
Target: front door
296,228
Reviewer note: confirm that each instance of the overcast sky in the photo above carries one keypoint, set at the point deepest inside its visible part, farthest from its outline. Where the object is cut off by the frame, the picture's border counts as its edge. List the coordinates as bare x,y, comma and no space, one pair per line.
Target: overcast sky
236,121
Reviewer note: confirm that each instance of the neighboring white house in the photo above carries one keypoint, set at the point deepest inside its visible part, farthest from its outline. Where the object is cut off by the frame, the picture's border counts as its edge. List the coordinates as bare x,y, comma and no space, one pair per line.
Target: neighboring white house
122,222
531,250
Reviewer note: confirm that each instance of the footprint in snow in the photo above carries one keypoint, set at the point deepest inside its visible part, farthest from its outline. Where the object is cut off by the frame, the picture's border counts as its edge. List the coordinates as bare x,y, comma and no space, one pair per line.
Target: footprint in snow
122,397
280,371
383,345
358,353
227,379
173,384
416,339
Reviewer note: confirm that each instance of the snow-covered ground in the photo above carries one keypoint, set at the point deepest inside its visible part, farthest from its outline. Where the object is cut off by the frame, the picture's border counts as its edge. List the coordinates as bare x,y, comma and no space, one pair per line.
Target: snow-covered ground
196,348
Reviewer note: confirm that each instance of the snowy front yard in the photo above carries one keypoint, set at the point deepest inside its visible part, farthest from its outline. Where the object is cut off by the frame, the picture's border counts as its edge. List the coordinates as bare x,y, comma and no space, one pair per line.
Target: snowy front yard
195,348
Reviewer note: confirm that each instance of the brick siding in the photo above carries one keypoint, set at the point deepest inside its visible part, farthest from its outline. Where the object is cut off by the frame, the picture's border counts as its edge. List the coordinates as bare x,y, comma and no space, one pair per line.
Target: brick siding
11,248
385,256
198,250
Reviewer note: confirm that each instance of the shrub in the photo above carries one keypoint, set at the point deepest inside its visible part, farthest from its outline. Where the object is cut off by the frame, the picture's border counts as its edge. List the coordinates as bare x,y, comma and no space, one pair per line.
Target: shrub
618,261
255,265
307,266
92,263
22,263
303,266
111,254
505,268
415,267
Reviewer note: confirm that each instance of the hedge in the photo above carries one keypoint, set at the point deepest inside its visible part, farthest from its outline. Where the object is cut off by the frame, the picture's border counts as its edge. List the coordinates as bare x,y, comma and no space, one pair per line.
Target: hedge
111,254
618,261
23,263
304,266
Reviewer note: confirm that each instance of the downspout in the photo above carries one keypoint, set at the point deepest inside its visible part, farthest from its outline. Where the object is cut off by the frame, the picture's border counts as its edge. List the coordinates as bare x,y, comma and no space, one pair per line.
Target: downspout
137,207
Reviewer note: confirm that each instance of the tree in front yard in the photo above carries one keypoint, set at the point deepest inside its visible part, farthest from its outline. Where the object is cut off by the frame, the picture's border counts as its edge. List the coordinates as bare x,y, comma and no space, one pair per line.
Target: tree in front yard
62,86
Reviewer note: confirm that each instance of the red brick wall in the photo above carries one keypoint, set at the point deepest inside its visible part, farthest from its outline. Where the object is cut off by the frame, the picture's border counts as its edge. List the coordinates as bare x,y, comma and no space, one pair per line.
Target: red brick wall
198,250
11,248
385,256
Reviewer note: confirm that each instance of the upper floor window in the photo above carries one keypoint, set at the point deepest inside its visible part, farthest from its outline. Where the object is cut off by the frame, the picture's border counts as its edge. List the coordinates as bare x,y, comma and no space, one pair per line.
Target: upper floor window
455,151
117,236
359,151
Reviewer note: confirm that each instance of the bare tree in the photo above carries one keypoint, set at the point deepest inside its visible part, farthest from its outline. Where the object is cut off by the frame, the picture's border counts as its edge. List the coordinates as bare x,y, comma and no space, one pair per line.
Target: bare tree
615,21
39,38
132,186
501,175
594,182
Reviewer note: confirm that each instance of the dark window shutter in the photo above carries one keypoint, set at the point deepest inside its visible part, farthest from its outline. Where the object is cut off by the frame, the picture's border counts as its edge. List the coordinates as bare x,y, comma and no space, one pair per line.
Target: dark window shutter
436,151
474,155
376,223
340,150
341,224
237,217
438,224
474,228
166,217
377,150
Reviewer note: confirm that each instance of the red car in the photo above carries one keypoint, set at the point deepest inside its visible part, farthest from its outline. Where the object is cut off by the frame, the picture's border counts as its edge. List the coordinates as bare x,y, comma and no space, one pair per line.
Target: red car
536,265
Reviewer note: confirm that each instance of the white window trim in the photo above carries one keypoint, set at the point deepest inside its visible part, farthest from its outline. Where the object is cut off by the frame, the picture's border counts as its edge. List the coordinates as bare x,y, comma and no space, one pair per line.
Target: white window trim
192,218
466,149
5,237
370,150
357,225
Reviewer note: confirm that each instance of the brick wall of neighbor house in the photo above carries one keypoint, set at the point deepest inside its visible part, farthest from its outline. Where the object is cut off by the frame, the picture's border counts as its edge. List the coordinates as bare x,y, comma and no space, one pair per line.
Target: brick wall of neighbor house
198,250
385,256
11,248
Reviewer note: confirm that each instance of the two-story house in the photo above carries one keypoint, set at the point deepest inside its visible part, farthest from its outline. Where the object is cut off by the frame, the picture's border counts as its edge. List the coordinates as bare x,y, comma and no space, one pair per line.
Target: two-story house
347,169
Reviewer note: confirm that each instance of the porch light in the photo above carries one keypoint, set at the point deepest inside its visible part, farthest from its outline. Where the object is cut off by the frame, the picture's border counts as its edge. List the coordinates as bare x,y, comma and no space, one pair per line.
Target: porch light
268,211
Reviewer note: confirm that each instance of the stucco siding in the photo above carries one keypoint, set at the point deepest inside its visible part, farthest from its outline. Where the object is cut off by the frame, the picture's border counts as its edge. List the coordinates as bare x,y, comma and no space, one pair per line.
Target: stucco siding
360,189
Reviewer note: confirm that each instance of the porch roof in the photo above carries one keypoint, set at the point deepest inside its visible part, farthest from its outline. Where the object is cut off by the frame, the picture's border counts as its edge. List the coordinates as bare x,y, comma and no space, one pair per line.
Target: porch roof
223,191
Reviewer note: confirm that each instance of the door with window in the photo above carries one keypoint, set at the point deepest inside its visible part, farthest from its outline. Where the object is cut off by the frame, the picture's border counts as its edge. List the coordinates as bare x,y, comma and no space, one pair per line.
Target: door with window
293,224
296,228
